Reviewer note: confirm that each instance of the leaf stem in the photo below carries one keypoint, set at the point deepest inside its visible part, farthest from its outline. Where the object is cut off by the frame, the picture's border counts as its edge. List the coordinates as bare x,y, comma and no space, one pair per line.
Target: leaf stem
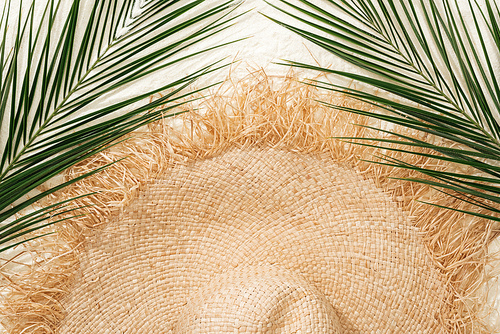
54,113
440,91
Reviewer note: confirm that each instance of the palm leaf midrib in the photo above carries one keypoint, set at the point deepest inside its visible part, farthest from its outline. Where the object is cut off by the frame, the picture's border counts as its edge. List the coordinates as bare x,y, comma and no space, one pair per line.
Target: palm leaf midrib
60,105
68,92
441,92
384,36
95,50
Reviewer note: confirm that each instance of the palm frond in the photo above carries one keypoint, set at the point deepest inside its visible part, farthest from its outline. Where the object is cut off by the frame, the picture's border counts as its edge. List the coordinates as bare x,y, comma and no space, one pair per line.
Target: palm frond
54,78
439,63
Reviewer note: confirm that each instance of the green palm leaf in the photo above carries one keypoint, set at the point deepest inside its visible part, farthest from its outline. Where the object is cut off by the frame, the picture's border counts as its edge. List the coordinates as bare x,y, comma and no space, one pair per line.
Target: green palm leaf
53,75
438,62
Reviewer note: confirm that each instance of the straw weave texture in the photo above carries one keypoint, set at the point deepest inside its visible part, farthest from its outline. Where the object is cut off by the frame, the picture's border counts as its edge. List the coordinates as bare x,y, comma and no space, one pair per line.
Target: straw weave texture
257,241
247,217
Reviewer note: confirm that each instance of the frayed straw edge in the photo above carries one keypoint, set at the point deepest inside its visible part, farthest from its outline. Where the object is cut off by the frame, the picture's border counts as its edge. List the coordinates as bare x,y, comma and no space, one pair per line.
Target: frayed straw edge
251,112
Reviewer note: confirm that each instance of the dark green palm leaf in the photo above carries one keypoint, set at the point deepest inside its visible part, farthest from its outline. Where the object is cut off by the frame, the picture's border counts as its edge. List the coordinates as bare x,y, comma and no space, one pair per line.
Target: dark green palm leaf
439,64
51,75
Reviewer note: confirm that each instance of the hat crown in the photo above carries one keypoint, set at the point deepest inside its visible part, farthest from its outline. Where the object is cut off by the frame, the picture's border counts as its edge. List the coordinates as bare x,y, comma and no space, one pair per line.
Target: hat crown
258,299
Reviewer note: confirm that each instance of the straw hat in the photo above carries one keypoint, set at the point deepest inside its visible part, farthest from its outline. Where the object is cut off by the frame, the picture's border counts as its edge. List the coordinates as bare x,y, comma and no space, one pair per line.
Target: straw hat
254,225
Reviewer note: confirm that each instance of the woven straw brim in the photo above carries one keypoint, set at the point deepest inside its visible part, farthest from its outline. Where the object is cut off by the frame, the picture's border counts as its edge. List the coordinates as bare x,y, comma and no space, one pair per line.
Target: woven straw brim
252,220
